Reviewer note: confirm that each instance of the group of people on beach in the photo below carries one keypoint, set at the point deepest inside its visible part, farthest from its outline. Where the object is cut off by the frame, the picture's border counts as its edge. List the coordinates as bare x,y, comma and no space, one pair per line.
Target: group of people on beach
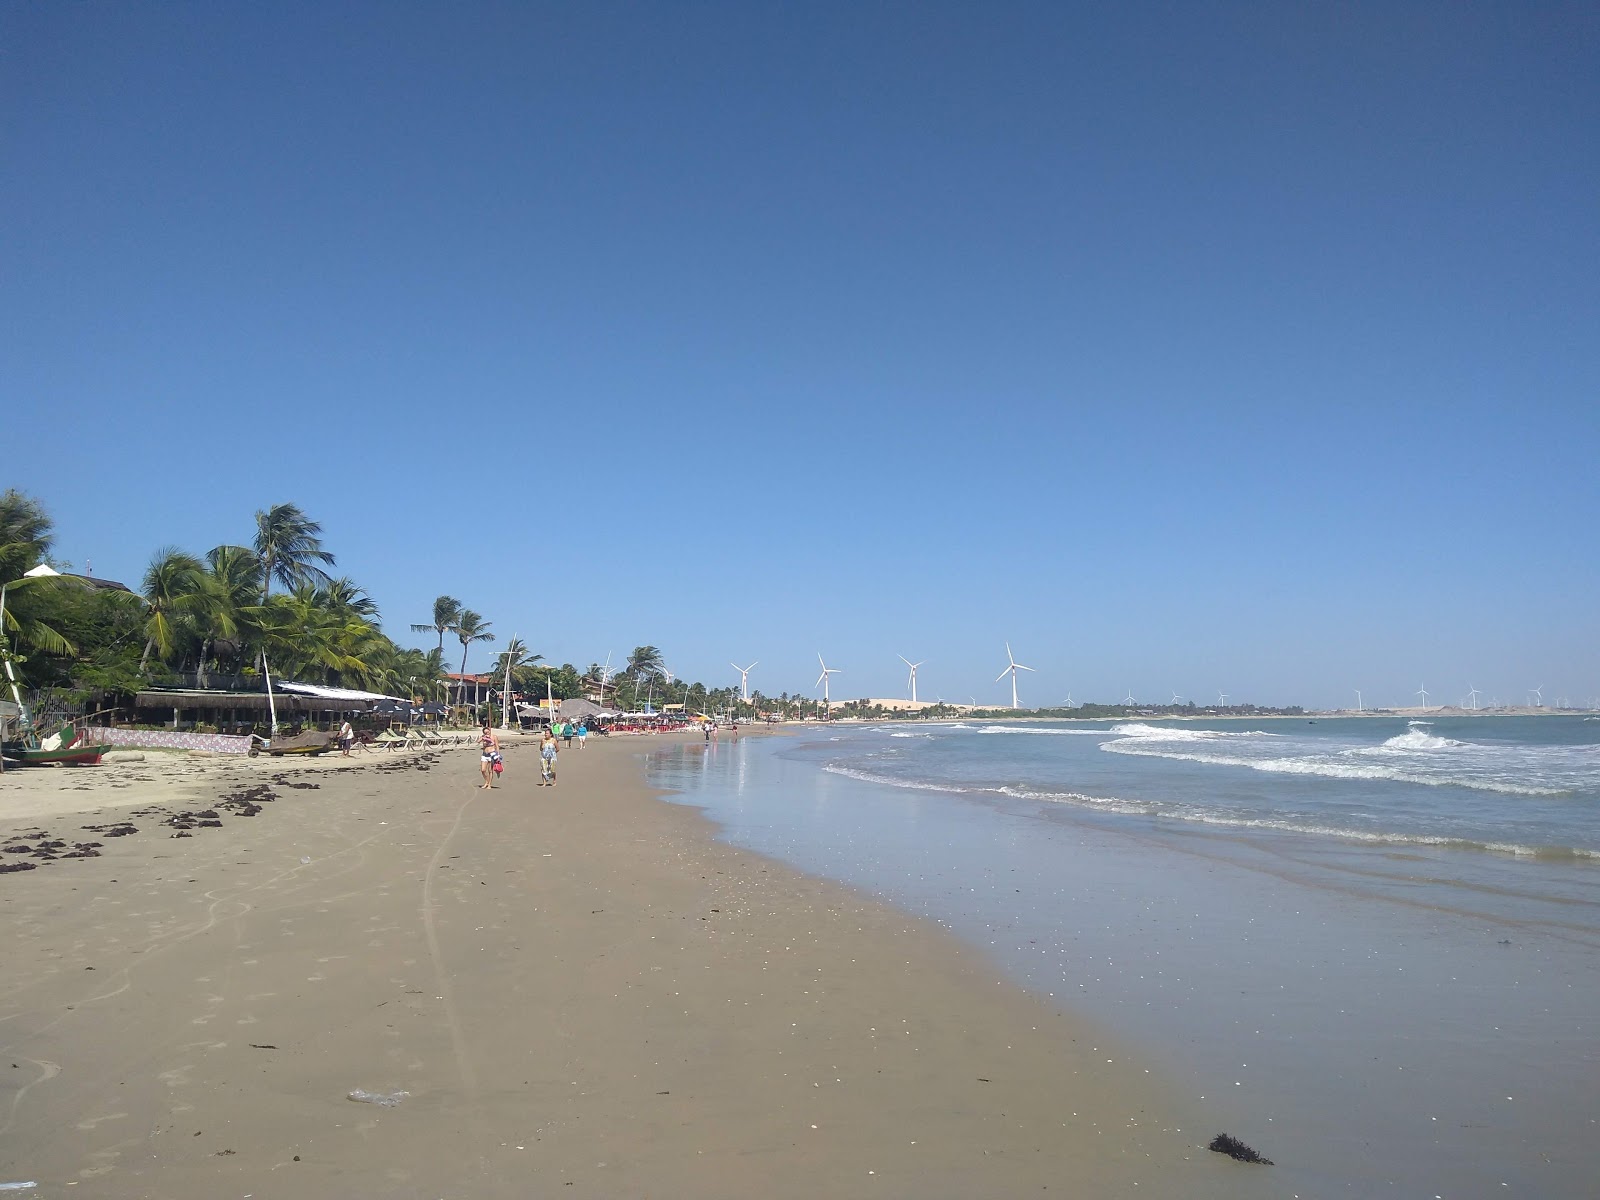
492,762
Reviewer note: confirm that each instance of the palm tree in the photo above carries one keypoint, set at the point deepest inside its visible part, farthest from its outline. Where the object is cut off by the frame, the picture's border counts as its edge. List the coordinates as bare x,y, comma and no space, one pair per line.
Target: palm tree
434,673
516,653
25,537
346,598
25,534
230,585
171,588
515,659
446,612
470,627
645,661
290,548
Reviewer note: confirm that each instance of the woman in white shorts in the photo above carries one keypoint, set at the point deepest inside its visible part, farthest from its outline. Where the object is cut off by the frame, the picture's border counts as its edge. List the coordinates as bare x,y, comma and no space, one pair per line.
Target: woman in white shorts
489,750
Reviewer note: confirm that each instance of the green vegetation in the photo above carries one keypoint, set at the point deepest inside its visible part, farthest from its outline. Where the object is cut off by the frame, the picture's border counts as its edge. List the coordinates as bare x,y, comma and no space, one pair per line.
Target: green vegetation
220,620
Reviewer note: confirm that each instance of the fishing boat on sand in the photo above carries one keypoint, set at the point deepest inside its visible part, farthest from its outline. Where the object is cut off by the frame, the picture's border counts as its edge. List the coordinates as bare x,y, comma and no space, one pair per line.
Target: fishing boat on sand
67,748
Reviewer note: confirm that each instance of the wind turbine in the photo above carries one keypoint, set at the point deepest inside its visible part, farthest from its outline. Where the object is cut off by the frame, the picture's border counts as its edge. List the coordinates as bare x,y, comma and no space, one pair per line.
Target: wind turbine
1358,699
1128,699
913,666
1538,693
1069,700
822,679
1222,699
1472,697
1423,692
1012,669
744,679
1175,699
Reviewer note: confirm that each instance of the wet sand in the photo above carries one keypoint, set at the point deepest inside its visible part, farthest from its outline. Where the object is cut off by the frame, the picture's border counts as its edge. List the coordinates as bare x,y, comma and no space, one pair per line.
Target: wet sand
573,987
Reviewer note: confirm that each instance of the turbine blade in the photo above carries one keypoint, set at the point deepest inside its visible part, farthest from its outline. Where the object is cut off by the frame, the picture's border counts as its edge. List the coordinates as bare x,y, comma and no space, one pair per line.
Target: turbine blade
1002,675
1020,667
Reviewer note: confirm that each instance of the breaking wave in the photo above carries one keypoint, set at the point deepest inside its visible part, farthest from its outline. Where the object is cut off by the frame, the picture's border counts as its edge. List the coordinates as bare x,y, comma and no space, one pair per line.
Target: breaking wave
1334,770
1217,819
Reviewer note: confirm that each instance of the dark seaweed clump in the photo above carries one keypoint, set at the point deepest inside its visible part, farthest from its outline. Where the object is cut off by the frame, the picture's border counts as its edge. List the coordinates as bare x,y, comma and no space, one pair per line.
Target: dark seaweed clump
1231,1146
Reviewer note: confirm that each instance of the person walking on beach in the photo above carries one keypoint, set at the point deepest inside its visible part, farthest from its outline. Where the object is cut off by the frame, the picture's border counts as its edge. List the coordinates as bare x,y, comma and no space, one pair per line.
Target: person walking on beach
347,737
547,759
566,734
489,754
583,733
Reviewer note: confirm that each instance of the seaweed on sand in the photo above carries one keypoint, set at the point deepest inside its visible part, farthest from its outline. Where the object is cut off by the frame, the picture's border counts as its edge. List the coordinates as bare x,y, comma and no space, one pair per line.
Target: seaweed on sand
1227,1144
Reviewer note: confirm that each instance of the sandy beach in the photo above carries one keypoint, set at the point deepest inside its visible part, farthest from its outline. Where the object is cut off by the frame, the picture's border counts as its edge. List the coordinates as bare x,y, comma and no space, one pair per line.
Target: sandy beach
573,986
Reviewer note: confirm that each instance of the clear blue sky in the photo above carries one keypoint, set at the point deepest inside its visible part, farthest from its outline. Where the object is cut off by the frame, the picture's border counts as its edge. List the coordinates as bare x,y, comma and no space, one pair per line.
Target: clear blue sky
1186,347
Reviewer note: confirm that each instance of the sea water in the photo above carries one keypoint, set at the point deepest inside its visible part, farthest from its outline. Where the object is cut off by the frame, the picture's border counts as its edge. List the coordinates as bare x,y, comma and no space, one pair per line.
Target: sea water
1368,947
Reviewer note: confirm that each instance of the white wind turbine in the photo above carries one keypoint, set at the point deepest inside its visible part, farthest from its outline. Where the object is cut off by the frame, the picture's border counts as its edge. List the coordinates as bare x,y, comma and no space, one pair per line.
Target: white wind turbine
1069,700
1538,695
744,679
1222,699
1358,699
1012,670
1128,699
1423,692
822,681
1176,699
913,666
1472,697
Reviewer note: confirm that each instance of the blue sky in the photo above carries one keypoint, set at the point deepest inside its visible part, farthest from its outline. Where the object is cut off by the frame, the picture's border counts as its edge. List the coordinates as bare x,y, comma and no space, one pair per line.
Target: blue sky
1188,348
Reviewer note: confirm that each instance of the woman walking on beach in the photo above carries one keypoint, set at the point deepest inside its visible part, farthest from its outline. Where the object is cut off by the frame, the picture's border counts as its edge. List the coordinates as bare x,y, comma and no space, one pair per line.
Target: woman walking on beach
547,759
489,752
347,737
583,733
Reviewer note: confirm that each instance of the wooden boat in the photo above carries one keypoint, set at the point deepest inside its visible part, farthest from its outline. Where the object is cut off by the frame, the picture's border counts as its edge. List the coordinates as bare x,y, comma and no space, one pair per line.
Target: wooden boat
71,756
305,743
70,750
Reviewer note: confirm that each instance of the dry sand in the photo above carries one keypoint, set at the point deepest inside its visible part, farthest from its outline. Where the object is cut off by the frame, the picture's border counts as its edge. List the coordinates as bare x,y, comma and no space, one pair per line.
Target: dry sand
576,987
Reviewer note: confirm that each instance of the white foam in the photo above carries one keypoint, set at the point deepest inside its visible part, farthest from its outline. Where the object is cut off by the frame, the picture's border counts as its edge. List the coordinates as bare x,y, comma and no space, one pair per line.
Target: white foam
1178,734
1051,732
869,777
1415,739
1200,816
1333,770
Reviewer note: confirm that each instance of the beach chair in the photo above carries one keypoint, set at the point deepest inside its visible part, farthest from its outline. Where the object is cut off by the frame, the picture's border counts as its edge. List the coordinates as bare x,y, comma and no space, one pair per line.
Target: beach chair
427,737
388,739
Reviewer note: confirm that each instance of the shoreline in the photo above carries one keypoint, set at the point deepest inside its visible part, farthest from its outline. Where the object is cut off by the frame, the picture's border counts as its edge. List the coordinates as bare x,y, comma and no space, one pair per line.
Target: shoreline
575,986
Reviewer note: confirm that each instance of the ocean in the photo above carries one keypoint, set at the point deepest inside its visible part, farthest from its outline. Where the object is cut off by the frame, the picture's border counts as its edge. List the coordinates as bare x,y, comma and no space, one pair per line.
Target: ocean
1368,947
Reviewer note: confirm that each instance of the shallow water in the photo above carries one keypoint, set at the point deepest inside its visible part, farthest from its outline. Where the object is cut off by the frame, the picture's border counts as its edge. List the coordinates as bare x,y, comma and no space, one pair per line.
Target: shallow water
1385,1007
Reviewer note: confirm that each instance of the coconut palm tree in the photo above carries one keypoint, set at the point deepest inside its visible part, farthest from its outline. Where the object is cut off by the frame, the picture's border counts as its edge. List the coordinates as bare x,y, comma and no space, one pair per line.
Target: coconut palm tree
171,589
289,546
346,598
25,537
644,662
230,585
446,611
517,655
470,627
